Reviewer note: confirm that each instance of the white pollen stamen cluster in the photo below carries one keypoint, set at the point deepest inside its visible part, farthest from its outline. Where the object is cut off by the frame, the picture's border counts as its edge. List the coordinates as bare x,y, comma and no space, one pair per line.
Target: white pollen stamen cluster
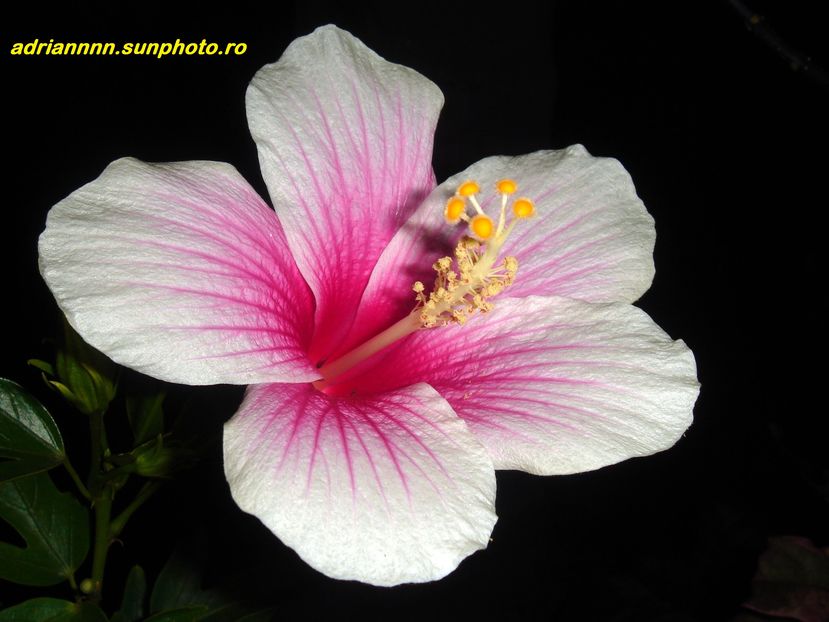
465,283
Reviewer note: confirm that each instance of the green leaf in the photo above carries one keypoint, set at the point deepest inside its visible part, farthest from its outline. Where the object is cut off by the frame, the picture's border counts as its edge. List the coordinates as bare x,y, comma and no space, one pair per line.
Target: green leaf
178,588
179,583
53,524
146,416
792,581
52,610
29,438
36,609
66,393
43,366
135,592
186,614
238,612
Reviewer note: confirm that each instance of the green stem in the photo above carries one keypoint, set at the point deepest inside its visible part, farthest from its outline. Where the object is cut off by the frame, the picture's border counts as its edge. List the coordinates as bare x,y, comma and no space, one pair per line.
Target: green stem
102,493
120,521
76,478
97,442
103,537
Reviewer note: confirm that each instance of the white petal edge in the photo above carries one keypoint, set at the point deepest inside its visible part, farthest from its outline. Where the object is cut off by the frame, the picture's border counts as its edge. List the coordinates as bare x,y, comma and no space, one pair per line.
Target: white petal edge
387,490
181,272
622,389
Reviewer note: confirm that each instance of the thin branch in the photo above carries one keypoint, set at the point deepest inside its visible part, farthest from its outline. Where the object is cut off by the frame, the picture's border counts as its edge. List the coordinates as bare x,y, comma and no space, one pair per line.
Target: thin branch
120,521
797,60
76,478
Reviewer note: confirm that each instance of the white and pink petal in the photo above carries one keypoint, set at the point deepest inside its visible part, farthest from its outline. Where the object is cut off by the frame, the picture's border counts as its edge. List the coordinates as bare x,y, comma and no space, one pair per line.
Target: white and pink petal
591,237
387,489
181,272
552,385
345,144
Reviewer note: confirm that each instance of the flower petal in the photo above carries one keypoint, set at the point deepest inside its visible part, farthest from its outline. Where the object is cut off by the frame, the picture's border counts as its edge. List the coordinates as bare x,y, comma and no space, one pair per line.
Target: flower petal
386,490
552,385
345,143
591,237
182,272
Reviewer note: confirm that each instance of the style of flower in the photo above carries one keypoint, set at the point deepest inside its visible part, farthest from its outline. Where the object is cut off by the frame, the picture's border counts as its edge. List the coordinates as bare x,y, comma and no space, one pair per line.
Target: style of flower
376,415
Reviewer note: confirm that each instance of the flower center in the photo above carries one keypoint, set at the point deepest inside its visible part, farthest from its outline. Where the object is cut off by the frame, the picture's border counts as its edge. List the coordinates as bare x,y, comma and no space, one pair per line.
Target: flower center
463,284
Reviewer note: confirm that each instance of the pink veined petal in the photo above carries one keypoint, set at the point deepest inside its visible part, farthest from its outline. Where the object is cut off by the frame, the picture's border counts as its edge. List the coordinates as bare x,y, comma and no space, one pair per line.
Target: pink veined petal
591,238
345,144
180,271
386,490
552,385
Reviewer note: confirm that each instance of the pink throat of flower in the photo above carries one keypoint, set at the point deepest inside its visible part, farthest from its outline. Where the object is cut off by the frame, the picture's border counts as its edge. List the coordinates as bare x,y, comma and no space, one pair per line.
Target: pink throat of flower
399,330
463,284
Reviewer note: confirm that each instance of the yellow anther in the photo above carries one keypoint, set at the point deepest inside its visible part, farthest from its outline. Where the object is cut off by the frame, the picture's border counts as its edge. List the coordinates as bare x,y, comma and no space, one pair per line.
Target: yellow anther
506,186
477,272
468,188
455,208
482,226
523,208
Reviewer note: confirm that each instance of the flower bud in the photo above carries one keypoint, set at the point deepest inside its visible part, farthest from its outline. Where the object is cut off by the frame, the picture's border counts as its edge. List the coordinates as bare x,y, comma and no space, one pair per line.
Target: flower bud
84,376
155,459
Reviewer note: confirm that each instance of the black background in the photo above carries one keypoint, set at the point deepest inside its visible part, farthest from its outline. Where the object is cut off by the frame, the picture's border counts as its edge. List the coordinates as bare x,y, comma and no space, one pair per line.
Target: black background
726,144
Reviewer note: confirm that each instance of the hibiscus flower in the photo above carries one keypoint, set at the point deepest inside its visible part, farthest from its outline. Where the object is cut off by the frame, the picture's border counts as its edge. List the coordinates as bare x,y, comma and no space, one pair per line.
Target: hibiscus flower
376,415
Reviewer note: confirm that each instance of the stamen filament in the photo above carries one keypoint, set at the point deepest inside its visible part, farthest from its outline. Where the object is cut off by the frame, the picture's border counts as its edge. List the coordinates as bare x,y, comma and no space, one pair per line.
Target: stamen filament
475,204
395,332
502,218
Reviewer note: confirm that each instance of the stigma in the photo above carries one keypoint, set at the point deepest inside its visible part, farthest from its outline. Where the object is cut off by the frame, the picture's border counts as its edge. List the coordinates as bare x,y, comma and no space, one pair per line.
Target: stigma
465,282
